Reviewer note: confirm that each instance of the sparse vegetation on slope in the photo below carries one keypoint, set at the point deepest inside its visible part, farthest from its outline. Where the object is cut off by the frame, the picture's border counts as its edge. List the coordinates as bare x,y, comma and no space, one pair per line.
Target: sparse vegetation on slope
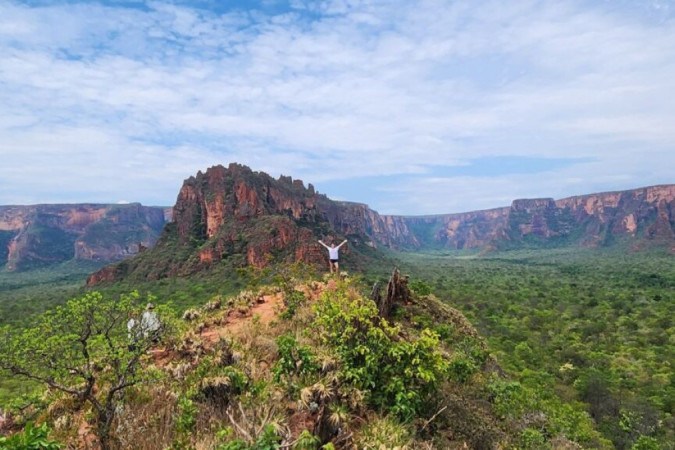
324,370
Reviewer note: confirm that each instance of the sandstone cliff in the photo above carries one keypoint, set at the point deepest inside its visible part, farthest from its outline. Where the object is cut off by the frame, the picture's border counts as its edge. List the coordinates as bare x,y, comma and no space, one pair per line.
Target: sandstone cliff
639,217
40,235
240,217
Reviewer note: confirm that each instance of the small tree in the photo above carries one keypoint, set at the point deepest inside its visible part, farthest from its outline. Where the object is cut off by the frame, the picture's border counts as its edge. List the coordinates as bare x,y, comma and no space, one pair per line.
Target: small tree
85,350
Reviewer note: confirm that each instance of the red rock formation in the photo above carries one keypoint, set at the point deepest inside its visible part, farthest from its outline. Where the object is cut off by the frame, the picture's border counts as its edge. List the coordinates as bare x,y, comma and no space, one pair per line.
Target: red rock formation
237,213
589,220
255,219
46,234
107,274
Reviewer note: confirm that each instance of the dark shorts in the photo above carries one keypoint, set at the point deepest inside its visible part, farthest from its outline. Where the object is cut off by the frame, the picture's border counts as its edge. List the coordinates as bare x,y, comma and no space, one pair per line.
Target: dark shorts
333,260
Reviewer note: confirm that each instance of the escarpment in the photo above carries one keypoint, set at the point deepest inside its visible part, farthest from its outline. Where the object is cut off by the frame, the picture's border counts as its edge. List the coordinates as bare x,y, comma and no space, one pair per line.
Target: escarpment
41,235
236,216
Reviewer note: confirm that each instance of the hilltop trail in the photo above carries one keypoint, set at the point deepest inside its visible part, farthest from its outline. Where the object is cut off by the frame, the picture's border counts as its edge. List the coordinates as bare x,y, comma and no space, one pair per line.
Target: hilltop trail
266,311
236,322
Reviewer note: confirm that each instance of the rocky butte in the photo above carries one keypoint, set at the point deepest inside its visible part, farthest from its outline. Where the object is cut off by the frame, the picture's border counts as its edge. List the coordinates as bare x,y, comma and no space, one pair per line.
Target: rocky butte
242,217
40,235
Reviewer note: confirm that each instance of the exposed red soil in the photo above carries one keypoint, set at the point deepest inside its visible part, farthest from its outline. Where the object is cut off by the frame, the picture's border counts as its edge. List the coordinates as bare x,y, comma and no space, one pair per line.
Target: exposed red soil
235,322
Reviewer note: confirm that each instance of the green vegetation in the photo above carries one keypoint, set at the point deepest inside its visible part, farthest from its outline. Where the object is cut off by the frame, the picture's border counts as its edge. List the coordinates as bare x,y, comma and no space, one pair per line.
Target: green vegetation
331,374
31,438
84,351
397,375
590,328
578,349
23,295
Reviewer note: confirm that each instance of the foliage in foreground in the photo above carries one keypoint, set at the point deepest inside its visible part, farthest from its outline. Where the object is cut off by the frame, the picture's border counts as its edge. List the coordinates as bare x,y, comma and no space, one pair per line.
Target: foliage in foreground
328,372
31,438
398,374
85,351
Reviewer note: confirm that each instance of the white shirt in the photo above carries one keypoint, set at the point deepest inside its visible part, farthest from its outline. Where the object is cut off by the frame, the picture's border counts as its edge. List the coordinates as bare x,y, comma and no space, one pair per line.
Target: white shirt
333,252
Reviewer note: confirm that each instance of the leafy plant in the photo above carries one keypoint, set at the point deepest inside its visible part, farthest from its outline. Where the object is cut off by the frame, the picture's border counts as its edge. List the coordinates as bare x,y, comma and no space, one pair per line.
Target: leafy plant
384,432
267,440
461,368
306,441
187,415
31,438
400,374
85,350
420,287
294,359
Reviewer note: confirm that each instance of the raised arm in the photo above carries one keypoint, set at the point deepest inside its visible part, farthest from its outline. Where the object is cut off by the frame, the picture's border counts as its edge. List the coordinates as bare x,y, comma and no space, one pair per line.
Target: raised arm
321,242
342,243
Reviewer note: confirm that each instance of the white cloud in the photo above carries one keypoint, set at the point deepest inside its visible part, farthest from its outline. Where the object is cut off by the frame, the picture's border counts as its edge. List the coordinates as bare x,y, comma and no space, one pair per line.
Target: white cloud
116,102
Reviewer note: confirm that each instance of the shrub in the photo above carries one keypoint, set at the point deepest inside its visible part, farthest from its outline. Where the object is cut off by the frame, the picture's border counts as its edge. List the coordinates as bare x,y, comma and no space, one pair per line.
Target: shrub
509,397
190,315
307,441
267,440
646,443
187,415
293,300
420,287
461,368
400,374
294,359
384,433
31,438
530,438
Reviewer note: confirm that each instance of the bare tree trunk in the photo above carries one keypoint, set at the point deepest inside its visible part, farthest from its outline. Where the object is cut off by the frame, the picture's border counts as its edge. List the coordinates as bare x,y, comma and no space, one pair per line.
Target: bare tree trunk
105,419
397,292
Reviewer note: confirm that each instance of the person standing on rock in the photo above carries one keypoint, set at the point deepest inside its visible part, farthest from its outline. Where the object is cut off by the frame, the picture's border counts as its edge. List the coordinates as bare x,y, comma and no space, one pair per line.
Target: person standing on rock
333,255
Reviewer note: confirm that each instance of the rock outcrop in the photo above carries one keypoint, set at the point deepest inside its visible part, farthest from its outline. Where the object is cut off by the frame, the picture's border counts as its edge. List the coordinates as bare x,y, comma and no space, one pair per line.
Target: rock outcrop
639,217
40,235
240,217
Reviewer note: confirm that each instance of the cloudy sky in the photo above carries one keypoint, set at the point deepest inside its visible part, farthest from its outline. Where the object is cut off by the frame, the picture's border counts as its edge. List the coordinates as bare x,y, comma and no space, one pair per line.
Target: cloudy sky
413,107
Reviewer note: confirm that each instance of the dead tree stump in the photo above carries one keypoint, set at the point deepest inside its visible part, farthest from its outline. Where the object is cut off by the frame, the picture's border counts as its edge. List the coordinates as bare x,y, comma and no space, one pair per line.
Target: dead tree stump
397,292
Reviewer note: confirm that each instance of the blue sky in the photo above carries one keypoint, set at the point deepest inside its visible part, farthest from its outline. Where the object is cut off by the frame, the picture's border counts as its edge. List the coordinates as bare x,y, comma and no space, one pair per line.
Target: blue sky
412,107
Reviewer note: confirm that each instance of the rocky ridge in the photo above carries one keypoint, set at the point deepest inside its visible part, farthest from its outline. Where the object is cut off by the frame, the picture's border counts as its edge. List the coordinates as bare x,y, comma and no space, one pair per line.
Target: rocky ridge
41,235
244,217
249,218
638,216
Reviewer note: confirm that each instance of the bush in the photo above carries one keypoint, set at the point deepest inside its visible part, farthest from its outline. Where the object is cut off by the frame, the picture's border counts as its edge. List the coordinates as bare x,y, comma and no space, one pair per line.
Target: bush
384,433
530,438
400,374
187,415
267,440
31,438
646,443
461,368
294,359
419,287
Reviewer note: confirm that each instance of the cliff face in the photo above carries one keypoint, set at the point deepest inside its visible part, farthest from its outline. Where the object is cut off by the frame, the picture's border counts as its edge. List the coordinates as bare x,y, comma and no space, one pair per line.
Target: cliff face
452,231
249,218
638,216
40,235
646,213
241,217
